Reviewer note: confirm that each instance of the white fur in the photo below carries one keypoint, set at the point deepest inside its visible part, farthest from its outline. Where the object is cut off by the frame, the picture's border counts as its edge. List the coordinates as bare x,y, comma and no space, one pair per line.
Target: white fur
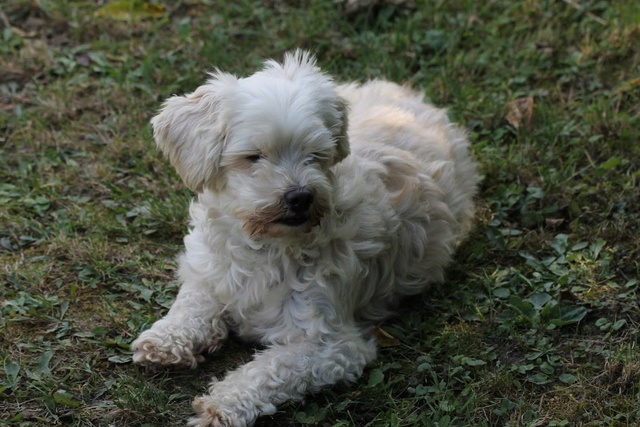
384,223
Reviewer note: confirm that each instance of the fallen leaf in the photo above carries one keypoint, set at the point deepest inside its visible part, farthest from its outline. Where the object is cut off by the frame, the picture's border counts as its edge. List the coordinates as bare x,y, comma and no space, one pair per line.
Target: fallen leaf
553,222
520,112
9,73
628,86
83,60
384,338
130,10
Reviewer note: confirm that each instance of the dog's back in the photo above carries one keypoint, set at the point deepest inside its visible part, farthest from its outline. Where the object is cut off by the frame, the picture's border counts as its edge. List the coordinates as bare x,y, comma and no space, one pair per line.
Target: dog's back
383,113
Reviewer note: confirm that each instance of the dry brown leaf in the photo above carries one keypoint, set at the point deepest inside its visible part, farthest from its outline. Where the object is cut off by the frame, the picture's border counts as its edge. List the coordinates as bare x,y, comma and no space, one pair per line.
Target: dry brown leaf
553,222
9,73
520,113
384,338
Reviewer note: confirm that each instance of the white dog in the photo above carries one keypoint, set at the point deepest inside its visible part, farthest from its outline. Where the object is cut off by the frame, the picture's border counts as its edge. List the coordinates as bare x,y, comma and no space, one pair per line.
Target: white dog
306,230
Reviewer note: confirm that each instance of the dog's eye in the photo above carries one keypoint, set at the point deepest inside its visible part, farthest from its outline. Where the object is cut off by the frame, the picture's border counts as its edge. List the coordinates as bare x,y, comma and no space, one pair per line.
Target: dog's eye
253,157
314,158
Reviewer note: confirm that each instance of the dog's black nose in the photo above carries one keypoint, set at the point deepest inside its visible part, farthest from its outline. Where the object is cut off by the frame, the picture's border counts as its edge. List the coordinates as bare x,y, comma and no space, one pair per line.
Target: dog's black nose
298,200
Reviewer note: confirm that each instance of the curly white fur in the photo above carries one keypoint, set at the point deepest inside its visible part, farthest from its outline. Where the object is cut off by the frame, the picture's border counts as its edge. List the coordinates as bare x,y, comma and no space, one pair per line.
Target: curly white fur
392,195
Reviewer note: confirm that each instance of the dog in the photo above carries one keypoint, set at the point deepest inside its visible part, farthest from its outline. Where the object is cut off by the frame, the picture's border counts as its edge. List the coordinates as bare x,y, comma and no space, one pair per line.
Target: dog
320,206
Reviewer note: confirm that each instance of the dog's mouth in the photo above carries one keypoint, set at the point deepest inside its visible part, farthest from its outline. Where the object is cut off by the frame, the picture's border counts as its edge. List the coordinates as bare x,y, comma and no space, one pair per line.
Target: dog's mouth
293,221
280,221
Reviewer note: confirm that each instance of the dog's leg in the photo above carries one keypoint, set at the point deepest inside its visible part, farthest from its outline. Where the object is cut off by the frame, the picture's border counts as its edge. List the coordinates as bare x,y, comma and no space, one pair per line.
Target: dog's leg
193,325
282,373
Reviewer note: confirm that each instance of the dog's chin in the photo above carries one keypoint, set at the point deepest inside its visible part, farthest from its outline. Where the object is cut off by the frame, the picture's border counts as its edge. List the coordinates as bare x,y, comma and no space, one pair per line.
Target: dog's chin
289,226
294,221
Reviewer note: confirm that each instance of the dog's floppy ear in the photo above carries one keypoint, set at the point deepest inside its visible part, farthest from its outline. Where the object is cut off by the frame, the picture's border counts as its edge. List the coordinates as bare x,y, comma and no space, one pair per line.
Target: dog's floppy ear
339,130
190,130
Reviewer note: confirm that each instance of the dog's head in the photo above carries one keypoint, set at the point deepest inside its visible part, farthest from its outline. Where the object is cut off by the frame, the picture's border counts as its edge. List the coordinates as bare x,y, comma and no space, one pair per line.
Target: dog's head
263,145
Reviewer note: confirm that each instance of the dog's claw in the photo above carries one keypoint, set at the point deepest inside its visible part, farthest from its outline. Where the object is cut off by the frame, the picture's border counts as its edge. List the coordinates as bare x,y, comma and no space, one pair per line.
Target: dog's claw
150,352
209,415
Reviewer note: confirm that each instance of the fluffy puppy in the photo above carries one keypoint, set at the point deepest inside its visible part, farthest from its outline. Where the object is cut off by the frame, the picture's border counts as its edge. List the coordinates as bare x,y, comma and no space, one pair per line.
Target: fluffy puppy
308,227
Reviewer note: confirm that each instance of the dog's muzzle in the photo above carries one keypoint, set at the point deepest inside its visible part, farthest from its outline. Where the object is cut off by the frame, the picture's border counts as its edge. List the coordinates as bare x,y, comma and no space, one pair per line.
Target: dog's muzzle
298,202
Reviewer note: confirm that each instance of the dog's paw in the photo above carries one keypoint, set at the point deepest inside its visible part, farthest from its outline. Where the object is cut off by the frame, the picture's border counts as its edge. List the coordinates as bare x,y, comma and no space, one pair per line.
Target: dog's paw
153,350
210,415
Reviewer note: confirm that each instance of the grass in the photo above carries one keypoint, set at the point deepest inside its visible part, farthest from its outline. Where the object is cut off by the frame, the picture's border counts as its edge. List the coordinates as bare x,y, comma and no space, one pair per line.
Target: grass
538,321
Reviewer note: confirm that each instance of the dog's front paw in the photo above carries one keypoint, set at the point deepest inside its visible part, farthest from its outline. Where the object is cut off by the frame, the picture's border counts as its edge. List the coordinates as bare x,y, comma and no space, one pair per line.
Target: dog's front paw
210,415
153,350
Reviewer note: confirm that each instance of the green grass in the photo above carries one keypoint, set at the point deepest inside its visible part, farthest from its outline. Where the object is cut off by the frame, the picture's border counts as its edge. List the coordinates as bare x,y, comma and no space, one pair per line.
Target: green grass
537,323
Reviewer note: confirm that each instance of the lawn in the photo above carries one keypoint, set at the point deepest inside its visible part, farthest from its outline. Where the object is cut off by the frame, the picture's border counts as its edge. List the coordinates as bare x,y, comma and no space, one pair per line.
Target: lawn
537,323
